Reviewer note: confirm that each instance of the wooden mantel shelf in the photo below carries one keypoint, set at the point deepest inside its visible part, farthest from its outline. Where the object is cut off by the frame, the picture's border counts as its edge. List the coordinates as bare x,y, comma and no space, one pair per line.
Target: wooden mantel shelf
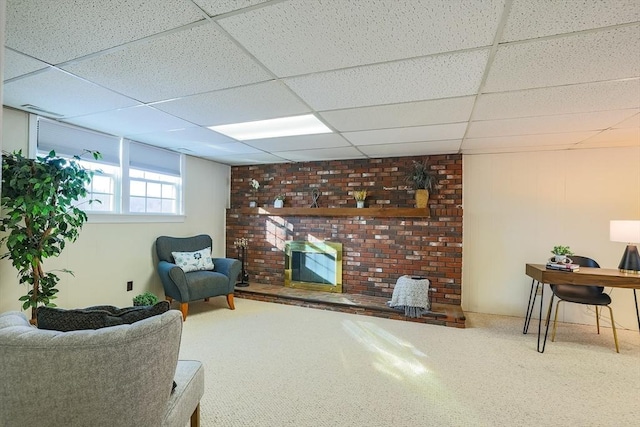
366,212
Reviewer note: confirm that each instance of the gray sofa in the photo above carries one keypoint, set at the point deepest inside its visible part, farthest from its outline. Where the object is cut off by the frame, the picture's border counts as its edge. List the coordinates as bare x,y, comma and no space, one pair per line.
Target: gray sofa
195,285
116,376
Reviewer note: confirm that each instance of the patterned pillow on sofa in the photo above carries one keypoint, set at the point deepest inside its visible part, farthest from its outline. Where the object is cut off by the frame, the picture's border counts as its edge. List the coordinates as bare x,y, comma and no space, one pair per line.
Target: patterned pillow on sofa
96,317
194,261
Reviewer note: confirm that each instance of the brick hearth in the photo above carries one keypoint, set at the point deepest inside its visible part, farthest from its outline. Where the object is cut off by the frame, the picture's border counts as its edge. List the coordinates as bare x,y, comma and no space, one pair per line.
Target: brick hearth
376,250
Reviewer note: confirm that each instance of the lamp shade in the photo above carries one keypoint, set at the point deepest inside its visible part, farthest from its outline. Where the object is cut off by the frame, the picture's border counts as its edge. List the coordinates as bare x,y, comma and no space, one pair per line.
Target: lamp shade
627,232
624,231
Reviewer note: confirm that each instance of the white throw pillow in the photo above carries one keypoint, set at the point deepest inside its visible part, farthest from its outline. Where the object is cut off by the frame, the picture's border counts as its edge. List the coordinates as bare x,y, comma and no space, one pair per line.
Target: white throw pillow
194,261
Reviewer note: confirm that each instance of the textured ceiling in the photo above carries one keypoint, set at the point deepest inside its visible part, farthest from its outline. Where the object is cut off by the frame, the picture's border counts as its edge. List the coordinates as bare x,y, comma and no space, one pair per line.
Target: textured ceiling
389,77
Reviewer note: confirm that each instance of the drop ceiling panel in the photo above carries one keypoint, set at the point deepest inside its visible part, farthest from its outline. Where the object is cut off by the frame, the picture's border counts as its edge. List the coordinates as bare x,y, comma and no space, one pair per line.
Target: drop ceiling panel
130,121
182,63
532,19
327,140
314,36
16,64
631,122
433,77
581,58
611,95
411,149
56,91
218,7
260,101
57,31
614,138
229,149
407,134
183,137
398,115
508,150
321,154
549,124
554,139
248,159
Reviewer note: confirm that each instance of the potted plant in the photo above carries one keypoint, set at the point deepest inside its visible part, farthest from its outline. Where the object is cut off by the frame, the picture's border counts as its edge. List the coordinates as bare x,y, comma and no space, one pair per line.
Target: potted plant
40,213
423,181
279,201
560,253
145,298
360,197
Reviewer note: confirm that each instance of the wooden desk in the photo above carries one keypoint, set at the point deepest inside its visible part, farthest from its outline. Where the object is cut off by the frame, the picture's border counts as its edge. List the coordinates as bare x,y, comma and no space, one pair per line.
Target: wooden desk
586,276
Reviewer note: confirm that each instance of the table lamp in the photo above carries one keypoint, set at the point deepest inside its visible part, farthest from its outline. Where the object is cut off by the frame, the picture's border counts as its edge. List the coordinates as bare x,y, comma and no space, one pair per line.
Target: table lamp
627,232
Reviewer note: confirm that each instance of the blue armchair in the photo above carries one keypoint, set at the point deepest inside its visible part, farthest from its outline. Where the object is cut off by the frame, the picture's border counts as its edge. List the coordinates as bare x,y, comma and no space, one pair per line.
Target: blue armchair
194,285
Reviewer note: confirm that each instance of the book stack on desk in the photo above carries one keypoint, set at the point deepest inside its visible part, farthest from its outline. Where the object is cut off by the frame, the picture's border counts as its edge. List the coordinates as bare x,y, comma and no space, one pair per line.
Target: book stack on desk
562,266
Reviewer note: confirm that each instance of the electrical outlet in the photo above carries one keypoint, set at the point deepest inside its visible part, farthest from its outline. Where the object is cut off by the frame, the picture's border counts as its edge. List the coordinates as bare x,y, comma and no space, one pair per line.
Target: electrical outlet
130,285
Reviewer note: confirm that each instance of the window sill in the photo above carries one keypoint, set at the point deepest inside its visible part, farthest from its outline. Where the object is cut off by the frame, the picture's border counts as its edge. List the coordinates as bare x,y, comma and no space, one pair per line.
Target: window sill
110,218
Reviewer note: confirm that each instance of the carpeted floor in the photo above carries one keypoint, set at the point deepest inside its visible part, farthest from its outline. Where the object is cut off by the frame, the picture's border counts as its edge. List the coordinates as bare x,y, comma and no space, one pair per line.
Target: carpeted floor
277,365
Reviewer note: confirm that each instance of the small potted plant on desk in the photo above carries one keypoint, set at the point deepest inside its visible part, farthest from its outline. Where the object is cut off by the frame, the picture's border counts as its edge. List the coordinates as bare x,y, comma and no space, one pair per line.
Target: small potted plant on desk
279,201
360,197
560,253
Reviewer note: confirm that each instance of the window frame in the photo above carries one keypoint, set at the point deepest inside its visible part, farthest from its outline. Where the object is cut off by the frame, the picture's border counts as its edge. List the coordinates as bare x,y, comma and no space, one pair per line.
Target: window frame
121,184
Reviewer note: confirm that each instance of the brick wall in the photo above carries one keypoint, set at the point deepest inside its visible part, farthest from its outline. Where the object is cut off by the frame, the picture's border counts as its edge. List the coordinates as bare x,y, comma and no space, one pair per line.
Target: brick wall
376,251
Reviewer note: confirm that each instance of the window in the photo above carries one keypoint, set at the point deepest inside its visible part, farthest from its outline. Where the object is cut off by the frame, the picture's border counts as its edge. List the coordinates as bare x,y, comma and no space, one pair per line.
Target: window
130,178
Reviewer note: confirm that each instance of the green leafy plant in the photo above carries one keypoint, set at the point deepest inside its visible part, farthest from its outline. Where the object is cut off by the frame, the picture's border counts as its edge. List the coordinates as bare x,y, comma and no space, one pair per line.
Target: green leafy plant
561,250
145,298
40,213
280,197
421,176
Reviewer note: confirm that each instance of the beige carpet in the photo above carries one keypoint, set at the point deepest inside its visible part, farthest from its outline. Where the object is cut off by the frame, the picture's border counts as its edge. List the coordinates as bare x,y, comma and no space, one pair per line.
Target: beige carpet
275,365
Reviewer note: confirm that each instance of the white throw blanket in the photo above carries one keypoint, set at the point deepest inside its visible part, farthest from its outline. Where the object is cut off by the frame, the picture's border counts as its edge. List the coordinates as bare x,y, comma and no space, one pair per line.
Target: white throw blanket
412,295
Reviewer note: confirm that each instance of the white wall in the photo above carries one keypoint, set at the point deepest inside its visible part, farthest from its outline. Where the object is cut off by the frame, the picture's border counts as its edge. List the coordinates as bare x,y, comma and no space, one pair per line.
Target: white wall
517,206
106,256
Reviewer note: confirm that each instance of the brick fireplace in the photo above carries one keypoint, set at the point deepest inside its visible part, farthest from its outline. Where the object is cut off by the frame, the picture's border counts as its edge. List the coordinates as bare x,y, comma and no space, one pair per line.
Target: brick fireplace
377,249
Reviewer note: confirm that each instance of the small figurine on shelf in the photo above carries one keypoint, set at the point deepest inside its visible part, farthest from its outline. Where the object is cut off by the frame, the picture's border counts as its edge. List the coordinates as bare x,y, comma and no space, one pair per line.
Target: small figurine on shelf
241,246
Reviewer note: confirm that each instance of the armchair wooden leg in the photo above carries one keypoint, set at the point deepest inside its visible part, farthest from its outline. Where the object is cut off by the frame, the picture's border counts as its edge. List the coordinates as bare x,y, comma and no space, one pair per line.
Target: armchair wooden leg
184,308
206,300
195,417
230,301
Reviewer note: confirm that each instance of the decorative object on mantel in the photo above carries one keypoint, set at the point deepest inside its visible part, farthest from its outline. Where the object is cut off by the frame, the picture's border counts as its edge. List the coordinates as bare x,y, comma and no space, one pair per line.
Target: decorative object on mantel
560,254
279,201
423,182
241,245
411,294
315,195
360,197
254,188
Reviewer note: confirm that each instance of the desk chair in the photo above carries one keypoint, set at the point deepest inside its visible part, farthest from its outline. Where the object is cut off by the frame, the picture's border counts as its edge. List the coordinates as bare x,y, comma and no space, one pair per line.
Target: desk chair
589,295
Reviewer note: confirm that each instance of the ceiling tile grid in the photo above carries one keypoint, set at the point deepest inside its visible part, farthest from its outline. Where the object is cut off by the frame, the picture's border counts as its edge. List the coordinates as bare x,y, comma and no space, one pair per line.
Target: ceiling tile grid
300,36
261,101
389,77
431,77
198,59
63,94
61,30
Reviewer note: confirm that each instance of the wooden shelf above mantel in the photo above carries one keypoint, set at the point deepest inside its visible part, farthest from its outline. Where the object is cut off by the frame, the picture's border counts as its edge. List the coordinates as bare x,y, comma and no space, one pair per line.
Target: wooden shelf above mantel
366,212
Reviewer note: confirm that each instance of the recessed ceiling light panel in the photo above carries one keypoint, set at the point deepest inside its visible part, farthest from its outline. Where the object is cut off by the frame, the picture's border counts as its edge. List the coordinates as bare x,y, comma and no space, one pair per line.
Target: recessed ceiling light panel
284,126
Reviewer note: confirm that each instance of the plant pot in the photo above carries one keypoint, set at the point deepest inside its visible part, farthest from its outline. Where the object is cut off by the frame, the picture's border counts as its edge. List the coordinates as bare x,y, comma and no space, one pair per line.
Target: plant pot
360,203
278,203
422,198
252,204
